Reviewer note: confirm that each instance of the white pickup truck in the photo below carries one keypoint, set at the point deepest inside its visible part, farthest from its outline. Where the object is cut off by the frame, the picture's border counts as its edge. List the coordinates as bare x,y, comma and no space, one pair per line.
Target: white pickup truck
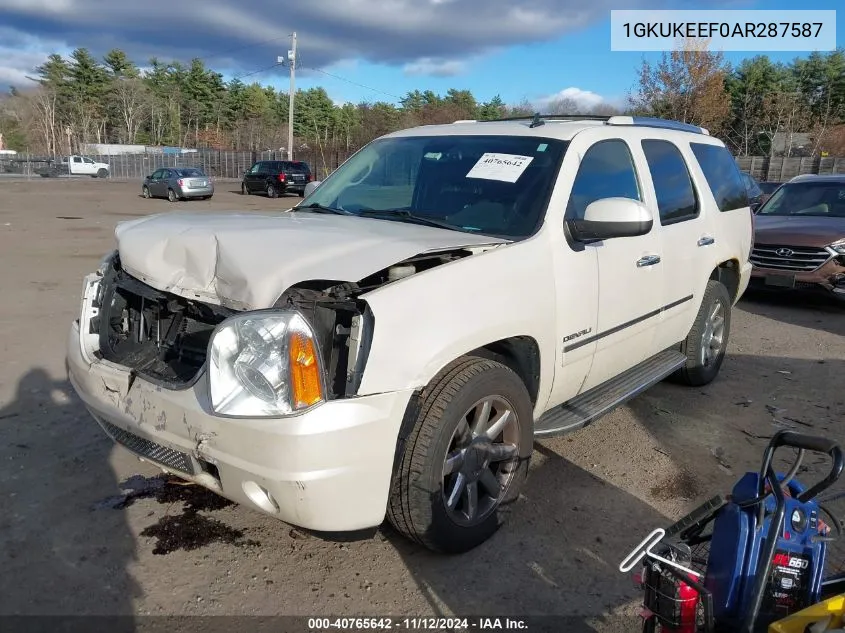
393,345
75,166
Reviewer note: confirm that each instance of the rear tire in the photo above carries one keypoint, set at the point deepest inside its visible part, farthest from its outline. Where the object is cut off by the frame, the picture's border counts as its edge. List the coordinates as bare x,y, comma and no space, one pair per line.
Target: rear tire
171,195
707,341
455,480
272,192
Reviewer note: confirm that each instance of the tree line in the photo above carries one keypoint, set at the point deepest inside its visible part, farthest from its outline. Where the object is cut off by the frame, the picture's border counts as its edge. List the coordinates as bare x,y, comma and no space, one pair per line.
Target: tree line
81,99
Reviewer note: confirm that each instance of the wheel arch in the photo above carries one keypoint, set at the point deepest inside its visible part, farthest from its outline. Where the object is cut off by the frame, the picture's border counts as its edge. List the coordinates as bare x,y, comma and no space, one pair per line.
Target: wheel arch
728,274
521,354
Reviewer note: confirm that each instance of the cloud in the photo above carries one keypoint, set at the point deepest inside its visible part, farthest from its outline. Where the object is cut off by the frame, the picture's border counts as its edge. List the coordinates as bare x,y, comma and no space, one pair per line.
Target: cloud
20,53
434,67
583,99
225,34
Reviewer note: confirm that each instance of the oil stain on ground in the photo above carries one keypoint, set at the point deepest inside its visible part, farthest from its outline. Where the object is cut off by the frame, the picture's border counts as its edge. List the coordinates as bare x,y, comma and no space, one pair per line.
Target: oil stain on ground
186,531
682,486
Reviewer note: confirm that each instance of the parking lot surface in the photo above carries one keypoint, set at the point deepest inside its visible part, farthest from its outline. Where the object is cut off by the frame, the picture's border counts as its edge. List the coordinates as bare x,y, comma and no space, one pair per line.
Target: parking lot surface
72,542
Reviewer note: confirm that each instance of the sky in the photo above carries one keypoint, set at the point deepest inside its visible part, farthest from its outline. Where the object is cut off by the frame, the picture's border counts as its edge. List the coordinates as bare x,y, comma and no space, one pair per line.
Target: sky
367,50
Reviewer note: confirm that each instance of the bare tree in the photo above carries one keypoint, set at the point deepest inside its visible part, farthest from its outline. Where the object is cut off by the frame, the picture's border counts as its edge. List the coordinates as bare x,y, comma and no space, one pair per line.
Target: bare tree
44,100
562,105
133,101
784,115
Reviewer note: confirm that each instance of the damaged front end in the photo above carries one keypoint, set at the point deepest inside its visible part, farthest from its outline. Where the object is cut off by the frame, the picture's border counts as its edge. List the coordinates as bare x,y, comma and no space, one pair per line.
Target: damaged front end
165,338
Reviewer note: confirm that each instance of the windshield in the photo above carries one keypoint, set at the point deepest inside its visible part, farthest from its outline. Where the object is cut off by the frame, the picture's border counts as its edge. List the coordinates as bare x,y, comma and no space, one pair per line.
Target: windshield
190,171
496,185
816,199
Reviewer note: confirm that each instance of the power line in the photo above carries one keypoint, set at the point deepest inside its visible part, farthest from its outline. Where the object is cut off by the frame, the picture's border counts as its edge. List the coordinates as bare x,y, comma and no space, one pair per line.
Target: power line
354,83
255,72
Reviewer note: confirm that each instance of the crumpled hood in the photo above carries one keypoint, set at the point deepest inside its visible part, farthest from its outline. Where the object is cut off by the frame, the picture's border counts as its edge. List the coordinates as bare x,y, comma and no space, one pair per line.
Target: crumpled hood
246,261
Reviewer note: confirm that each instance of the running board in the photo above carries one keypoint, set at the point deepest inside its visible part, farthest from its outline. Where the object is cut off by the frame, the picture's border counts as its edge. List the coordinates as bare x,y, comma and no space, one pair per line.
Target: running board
604,398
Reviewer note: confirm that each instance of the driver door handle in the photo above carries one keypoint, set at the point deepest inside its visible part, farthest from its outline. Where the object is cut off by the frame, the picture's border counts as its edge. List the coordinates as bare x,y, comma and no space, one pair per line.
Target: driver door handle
706,241
648,260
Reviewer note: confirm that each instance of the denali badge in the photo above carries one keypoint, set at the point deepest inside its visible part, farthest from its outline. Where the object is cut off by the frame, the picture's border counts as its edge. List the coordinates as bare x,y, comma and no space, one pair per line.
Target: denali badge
577,334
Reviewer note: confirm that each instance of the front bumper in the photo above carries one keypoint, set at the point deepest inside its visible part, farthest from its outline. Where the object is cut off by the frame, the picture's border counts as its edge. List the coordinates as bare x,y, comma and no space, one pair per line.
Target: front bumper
328,469
829,277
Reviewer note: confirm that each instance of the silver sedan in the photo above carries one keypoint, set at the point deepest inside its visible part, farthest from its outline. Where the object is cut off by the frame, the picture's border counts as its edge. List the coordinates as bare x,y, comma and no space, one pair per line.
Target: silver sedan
178,183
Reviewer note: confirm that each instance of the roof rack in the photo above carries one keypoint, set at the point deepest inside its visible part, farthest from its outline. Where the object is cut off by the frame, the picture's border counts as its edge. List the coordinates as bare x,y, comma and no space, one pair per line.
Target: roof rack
648,121
556,117
643,121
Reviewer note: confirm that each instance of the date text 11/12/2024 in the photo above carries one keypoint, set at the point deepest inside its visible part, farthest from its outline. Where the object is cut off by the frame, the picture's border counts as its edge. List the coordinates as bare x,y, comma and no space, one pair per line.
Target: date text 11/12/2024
453,624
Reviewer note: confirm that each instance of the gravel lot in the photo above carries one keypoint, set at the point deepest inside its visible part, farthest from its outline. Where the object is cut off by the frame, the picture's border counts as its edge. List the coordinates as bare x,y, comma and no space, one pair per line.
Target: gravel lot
68,546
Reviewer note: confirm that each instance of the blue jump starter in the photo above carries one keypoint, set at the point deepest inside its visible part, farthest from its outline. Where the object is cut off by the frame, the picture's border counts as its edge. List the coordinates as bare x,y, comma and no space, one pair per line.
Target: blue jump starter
738,549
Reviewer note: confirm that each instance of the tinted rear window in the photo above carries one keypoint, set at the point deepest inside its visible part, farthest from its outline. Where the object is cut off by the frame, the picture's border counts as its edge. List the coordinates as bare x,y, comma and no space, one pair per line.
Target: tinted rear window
676,199
299,167
722,175
187,172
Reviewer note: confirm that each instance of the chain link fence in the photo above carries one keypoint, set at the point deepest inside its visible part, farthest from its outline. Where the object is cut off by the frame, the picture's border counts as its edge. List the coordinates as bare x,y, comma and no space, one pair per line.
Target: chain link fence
221,164
228,164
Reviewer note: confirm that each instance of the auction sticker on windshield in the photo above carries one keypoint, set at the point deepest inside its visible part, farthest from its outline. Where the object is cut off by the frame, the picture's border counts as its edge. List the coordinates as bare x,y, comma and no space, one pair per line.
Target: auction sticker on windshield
504,167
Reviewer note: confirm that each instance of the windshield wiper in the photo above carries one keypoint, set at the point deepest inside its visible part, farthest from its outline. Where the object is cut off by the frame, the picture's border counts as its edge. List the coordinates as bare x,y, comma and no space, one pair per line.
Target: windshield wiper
316,207
408,216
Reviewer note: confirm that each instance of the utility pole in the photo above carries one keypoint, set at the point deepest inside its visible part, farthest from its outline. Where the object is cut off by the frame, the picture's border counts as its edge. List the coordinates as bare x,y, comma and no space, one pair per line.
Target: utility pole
292,62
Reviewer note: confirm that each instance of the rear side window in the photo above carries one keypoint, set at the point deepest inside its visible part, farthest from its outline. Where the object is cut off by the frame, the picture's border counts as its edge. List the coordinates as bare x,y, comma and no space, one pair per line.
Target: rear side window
676,199
722,175
606,171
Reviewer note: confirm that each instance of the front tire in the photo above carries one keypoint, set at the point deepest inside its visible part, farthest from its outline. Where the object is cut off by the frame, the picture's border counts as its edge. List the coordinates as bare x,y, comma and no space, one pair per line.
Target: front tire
102,173
244,190
145,192
707,341
466,457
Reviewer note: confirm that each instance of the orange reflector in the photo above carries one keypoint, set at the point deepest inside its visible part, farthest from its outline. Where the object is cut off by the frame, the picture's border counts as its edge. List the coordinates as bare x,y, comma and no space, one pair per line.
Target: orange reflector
306,387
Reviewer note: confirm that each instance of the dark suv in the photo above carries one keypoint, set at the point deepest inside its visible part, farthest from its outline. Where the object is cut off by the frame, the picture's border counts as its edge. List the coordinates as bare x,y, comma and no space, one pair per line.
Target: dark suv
277,177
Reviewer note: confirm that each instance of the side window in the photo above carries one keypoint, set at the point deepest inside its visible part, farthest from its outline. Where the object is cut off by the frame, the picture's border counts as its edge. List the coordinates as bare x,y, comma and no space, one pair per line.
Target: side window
676,199
256,168
606,171
722,175
156,174
76,159
88,161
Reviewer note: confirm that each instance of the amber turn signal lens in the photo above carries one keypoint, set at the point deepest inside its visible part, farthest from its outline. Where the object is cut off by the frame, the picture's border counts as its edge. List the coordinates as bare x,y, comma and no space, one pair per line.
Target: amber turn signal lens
307,389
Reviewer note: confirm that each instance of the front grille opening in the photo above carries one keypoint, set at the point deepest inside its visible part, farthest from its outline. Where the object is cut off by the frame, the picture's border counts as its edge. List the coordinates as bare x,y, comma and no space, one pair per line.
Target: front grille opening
158,335
789,258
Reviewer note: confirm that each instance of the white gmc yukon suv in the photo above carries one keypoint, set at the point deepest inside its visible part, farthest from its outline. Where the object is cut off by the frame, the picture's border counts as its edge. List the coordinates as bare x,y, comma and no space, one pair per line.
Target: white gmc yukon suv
394,344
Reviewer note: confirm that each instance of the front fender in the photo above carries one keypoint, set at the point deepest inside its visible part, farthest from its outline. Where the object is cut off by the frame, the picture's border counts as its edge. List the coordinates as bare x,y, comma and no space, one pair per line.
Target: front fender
425,321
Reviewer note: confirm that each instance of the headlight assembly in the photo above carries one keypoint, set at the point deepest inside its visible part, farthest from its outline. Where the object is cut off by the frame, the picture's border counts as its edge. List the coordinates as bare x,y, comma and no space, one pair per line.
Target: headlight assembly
264,364
839,247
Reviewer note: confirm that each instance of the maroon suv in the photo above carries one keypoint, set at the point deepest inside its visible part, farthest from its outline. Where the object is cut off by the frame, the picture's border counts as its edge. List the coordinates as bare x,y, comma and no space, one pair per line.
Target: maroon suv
799,240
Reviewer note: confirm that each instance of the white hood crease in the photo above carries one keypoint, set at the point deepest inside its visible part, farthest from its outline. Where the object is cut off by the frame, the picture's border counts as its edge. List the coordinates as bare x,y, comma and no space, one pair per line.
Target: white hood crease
246,261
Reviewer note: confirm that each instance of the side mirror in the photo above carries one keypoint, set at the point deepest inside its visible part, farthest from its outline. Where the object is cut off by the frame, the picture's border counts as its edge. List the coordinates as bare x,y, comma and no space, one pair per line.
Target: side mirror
310,187
612,217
